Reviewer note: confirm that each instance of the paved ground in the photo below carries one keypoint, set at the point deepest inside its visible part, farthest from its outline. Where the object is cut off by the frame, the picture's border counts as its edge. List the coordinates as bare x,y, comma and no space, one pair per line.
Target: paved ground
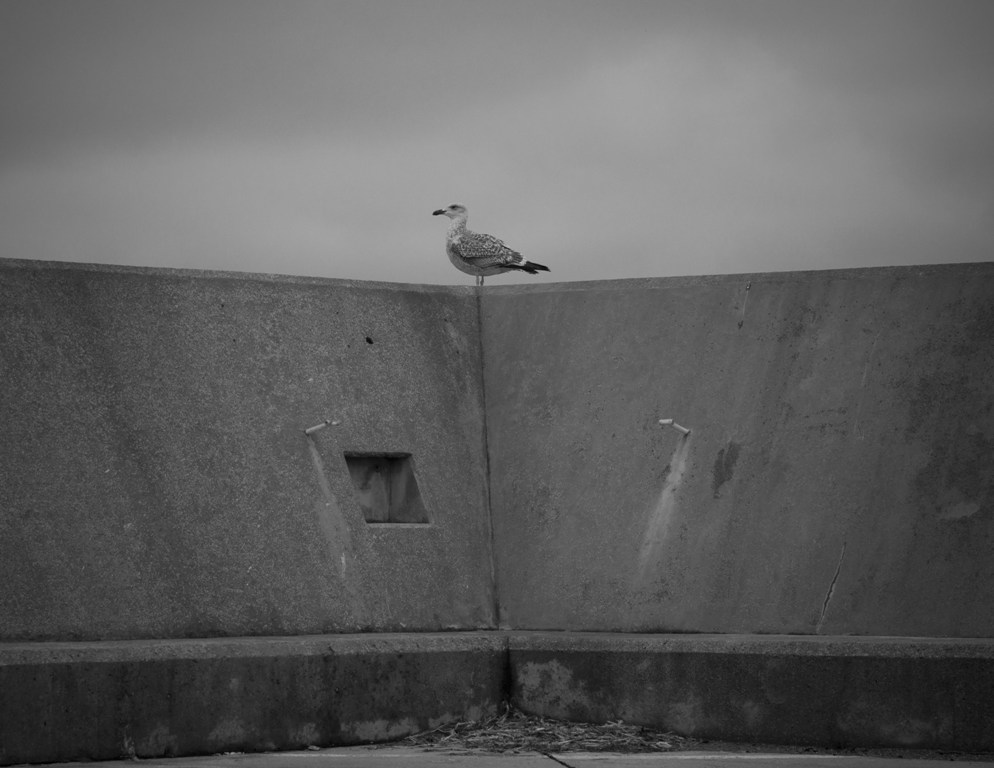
396,757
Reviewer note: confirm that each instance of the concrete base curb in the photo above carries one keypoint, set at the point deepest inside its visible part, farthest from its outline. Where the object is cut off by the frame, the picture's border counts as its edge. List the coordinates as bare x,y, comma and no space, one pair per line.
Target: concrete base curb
156,698
925,693
106,700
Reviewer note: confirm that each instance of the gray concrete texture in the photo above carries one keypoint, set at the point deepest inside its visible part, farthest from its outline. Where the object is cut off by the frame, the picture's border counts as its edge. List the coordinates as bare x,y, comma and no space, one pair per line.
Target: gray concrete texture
925,693
838,478
360,757
155,698
141,699
155,480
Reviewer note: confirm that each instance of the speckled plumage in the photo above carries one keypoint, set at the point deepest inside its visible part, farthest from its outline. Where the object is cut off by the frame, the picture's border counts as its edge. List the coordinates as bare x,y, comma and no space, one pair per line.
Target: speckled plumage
478,254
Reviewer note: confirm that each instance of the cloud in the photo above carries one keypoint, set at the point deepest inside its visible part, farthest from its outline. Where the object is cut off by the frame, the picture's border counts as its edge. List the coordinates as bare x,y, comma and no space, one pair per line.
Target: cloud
116,73
360,210
315,138
671,160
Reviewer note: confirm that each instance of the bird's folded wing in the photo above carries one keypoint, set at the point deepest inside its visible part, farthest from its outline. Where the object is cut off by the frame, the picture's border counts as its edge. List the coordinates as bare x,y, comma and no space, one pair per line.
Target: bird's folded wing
486,251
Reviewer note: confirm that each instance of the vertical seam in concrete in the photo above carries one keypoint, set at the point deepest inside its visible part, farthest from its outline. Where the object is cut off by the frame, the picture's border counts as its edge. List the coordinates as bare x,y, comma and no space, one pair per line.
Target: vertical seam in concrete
486,457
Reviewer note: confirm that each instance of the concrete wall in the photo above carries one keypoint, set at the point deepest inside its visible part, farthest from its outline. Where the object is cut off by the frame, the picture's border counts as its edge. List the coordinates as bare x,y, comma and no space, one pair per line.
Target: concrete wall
155,481
839,477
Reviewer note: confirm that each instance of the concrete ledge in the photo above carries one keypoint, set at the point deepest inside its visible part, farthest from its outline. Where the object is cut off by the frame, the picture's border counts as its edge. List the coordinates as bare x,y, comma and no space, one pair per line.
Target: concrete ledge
827,691
104,700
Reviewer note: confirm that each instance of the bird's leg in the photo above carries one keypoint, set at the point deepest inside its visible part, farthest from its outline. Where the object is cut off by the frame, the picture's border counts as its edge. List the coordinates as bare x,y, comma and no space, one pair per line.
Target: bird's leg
479,280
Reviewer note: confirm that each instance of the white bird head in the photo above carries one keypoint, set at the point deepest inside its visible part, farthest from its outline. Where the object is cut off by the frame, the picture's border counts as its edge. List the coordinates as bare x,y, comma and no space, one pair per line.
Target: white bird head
454,211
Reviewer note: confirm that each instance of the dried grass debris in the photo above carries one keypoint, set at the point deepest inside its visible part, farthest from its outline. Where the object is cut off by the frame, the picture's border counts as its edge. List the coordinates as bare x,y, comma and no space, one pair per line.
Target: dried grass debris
513,731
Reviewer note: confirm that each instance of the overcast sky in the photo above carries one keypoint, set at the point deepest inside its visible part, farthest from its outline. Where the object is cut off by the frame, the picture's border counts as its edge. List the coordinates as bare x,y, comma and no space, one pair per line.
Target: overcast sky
605,139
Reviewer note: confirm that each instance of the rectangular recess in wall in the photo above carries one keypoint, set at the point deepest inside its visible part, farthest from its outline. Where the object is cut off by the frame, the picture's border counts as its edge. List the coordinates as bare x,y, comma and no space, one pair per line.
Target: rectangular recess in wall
386,488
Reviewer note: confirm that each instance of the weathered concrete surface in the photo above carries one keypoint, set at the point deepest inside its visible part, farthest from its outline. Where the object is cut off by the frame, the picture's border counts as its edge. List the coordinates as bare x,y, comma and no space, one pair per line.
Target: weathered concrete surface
76,701
833,692
838,478
363,757
152,698
155,480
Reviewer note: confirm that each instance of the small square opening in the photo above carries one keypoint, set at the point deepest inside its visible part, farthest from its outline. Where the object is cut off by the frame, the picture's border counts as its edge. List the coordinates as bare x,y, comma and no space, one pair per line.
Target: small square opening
386,488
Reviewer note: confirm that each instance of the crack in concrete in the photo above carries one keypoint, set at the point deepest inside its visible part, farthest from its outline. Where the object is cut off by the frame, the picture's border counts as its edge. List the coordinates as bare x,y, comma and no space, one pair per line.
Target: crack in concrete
831,588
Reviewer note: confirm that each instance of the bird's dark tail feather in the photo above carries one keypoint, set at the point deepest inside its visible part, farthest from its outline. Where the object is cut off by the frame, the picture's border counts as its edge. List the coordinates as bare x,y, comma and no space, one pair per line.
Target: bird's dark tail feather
531,267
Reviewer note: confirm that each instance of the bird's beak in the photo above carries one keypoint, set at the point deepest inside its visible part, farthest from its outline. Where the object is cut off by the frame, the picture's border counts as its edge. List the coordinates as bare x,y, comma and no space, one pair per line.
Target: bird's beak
439,212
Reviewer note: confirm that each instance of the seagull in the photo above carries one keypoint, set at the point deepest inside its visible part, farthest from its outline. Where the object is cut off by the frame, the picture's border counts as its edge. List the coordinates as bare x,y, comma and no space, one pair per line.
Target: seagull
478,254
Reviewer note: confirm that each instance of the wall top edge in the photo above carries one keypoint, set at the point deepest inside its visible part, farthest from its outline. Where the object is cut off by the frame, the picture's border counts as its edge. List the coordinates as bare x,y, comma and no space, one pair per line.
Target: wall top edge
967,269
40,265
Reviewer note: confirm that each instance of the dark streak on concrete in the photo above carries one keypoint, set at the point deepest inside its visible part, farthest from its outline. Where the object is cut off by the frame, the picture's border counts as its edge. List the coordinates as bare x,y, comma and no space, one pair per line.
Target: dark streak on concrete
724,467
